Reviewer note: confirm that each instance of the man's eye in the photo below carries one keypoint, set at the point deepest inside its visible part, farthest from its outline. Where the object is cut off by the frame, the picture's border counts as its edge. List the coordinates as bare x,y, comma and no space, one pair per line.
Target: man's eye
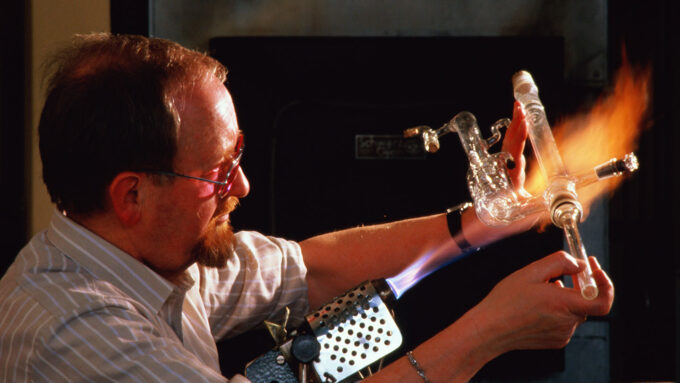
214,174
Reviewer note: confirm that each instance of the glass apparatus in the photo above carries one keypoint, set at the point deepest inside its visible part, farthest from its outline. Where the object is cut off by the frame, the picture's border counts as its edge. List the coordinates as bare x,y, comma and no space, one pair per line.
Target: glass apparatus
496,203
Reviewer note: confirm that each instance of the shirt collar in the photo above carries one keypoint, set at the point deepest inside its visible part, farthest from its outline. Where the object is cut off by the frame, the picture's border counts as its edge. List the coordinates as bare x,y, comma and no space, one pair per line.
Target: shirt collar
109,263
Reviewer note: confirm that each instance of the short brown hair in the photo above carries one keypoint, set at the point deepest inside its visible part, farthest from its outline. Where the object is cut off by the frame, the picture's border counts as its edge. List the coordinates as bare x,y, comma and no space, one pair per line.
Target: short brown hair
112,106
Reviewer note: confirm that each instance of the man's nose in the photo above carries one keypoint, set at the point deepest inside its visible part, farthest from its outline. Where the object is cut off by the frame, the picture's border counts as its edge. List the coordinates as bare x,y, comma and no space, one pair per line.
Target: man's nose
241,186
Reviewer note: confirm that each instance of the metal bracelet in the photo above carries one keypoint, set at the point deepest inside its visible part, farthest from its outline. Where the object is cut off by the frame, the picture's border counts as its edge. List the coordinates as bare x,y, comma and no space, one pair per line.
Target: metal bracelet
454,219
416,366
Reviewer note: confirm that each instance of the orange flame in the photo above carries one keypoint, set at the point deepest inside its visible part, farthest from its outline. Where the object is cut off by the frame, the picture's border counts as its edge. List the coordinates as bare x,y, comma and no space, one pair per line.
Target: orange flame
610,129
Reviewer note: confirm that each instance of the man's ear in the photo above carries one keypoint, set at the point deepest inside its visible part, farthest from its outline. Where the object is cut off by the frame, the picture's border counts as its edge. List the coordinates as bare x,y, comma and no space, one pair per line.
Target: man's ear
125,199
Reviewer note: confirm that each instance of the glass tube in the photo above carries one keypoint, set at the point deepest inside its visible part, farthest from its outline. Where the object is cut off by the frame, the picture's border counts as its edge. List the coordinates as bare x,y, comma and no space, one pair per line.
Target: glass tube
540,135
611,168
561,197
568,218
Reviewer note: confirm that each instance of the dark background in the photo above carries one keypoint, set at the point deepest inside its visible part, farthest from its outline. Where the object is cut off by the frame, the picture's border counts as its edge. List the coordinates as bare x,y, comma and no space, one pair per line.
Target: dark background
642,224
643,231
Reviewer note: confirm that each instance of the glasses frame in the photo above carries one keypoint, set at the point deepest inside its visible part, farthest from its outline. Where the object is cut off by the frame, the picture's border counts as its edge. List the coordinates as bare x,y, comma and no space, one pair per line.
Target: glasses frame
230,176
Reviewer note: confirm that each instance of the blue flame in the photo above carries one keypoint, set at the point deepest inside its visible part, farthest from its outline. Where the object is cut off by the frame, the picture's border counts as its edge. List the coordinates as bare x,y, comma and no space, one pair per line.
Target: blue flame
425,265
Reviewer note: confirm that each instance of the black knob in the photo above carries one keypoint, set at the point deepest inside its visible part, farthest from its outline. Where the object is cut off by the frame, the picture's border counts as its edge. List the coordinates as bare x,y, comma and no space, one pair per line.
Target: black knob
306,348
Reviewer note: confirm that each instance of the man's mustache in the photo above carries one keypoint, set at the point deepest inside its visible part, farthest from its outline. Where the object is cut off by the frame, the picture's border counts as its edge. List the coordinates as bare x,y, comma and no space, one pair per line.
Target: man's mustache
226,206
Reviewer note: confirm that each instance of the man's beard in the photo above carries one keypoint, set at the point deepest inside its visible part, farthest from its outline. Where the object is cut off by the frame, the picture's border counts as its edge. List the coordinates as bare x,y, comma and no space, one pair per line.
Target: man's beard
217,245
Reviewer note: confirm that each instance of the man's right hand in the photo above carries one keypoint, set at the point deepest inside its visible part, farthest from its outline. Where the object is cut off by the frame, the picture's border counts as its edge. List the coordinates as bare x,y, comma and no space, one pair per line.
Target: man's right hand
524,311
528,311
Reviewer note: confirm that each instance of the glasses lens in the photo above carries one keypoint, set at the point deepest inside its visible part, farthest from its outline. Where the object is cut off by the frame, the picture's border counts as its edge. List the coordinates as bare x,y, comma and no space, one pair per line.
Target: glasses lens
231,174
224,189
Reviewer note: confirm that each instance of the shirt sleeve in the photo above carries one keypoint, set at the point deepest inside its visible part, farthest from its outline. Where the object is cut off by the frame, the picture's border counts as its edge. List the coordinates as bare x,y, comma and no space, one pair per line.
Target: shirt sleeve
265,275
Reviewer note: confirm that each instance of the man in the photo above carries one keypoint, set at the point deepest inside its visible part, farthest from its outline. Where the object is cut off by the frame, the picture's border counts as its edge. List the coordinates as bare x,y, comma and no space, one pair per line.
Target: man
139,273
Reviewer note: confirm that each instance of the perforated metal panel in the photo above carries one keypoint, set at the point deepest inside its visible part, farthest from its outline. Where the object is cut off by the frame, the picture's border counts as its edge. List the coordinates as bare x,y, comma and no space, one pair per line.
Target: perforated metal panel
357,329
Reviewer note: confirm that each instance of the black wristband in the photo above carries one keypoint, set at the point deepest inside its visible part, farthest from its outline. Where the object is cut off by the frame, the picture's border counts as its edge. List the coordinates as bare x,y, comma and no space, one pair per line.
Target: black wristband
454,219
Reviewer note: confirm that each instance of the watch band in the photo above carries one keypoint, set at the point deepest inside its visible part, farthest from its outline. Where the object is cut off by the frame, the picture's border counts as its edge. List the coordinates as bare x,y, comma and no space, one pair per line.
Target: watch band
454,220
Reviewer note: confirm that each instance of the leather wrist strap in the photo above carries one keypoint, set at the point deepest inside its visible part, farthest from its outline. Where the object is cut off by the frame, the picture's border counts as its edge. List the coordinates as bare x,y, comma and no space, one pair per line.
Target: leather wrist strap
454,219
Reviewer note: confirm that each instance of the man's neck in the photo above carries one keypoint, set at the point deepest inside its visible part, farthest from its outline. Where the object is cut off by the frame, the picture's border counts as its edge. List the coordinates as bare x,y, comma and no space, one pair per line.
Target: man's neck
108,227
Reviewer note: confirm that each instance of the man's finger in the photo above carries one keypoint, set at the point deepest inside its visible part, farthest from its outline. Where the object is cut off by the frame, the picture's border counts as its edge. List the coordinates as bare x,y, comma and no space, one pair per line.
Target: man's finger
517,133
555,265
605,287
600,305
513,143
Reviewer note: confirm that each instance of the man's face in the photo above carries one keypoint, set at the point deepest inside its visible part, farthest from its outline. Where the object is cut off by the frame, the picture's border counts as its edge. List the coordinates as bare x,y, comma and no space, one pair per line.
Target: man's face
191,223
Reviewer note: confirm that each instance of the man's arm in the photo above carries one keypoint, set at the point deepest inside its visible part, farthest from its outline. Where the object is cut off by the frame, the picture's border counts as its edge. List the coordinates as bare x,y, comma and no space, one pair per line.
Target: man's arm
524,311
339,261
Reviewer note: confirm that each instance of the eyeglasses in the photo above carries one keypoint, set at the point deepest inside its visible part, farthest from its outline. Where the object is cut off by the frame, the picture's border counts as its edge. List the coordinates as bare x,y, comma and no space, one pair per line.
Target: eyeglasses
227,172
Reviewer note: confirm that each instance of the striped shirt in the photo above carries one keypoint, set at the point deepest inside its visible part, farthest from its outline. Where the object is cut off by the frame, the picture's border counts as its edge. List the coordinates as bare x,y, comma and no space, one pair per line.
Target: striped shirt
75,308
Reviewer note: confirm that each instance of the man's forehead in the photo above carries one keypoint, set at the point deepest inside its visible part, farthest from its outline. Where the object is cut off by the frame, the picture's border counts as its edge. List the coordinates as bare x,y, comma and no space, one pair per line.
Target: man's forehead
208,127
